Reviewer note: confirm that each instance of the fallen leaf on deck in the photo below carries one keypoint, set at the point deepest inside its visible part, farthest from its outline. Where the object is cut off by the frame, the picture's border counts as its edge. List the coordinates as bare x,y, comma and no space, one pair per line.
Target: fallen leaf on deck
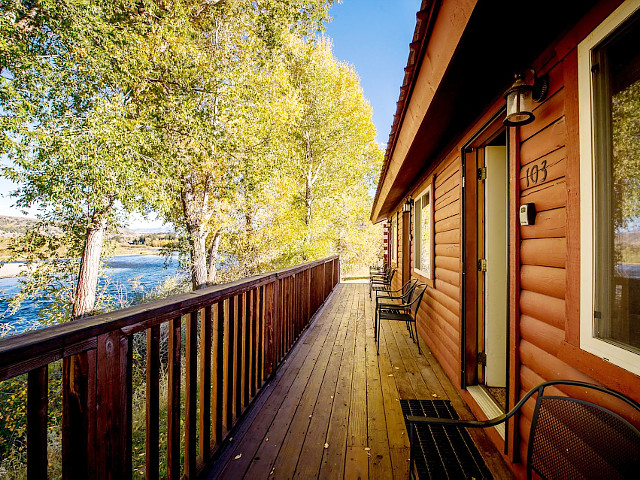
237,457
326,445
390,375
366,449
435,395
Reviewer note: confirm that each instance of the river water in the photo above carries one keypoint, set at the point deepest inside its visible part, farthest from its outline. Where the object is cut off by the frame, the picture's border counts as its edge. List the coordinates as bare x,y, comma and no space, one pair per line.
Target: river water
129,277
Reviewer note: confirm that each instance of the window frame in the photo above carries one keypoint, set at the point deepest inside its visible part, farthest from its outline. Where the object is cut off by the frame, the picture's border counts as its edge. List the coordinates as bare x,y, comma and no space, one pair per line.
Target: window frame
588,123
393,238
417,237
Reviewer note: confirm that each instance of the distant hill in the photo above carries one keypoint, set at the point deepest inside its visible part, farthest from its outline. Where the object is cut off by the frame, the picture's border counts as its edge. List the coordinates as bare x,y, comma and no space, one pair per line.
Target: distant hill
13,226
630,238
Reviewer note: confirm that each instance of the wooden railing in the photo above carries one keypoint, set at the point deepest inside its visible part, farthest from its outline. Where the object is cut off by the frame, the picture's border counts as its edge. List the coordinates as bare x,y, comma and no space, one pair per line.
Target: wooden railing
233,337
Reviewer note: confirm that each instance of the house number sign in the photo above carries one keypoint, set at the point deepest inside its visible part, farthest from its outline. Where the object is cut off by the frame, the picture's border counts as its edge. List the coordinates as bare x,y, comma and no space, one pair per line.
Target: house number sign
536,173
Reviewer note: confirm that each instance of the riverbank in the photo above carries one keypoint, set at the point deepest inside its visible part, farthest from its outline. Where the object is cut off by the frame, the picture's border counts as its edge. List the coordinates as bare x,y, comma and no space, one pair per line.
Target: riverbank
15,269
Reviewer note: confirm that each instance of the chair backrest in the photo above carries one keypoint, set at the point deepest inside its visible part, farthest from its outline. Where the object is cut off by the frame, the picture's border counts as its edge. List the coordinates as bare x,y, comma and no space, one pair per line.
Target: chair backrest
390,275
575,438
418,293
408,289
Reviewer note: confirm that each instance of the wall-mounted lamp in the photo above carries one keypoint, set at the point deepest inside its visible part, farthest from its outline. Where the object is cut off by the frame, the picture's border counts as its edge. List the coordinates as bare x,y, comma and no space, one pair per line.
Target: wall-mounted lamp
520,98
406,207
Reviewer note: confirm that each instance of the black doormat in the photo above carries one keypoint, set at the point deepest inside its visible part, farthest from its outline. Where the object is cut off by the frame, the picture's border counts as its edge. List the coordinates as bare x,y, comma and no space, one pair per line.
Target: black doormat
441,452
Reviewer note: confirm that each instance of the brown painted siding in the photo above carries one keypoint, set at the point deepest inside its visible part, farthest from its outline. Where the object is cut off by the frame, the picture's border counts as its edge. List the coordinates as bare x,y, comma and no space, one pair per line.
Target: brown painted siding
439,314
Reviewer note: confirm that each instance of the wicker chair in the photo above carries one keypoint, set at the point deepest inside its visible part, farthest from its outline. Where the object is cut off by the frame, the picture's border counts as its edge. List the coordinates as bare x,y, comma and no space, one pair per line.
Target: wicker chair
569,437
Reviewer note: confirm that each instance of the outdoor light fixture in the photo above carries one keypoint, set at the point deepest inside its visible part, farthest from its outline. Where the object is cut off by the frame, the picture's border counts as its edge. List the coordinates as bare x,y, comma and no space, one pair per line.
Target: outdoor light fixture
406,207
520,98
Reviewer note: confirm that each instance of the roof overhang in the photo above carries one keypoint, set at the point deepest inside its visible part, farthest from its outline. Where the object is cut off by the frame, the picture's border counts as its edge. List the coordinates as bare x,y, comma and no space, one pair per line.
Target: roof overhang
467,59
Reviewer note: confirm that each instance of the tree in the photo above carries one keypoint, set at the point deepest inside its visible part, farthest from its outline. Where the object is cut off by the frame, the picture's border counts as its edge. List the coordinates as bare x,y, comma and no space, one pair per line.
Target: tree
211,68
68,129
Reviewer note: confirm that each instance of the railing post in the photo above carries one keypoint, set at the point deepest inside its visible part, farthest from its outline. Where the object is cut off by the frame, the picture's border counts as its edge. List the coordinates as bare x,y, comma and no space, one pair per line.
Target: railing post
113,406
37,403
79,415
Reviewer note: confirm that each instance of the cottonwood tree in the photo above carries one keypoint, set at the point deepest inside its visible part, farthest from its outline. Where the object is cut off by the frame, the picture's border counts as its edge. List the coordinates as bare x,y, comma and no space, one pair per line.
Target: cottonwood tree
210,66
333,140
69,133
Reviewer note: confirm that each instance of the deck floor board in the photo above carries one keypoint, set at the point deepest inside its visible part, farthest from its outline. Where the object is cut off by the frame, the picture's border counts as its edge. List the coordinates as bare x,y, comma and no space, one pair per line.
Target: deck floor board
332,410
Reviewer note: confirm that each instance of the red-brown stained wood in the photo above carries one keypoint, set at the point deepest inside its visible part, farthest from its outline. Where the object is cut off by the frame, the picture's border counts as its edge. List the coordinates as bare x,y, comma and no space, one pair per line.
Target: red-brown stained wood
449,290
452,236
548,224
237,360
261,337
549,252
450,250
572,323
546,113
248,339
448,197
546,280
191,396
448,276
219,368
543,335
78,401
449,168
37,410
545,169
546,197
173,400
547,309
544,142
447,224
547,365
448,263
113,400
206,348
254,341
448,211
152,433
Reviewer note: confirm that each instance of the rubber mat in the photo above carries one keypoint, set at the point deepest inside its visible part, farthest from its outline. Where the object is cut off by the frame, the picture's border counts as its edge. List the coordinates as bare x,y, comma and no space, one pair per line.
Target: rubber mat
441,452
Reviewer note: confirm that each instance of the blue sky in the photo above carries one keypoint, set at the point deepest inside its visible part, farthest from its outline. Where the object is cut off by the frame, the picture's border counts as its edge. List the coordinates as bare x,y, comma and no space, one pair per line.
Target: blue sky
374,37
371,35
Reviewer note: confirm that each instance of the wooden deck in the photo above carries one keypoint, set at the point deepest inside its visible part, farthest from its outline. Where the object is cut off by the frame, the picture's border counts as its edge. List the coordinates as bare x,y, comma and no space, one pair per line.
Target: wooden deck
332,410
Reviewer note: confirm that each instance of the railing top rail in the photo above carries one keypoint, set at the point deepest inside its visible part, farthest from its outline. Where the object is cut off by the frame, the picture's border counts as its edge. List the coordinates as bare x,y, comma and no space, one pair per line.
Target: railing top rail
20,348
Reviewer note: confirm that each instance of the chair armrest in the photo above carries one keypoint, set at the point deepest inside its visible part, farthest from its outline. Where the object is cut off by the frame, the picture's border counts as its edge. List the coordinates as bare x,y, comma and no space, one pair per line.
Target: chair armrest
449,422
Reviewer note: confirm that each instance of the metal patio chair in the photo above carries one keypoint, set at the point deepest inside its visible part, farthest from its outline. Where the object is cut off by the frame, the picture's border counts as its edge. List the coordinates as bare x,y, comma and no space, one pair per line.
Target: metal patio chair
388,301
569,437
381,283
403,312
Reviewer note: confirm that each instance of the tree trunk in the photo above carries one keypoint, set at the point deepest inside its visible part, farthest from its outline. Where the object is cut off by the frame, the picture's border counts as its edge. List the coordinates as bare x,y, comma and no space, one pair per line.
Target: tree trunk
213,259
78,435
196,214
85,298
197,239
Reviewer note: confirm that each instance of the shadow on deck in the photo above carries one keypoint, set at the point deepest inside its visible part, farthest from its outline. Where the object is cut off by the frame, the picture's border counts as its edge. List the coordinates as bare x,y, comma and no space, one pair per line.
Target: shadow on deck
332,410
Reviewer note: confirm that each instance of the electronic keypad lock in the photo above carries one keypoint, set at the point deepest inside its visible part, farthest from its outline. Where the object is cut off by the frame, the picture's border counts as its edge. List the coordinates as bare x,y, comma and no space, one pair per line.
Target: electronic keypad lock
527,214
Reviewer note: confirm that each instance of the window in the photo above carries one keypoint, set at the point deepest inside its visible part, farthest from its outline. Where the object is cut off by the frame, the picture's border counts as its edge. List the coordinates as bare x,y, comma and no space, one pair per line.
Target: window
609,89
394,239
422,256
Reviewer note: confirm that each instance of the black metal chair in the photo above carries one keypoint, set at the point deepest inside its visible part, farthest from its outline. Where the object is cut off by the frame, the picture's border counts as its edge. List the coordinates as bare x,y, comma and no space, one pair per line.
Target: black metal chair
388,301
381,283
403,312
569,437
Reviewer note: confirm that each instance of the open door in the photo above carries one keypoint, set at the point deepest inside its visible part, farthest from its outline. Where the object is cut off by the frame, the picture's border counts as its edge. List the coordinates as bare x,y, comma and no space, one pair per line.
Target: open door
494,268
486,297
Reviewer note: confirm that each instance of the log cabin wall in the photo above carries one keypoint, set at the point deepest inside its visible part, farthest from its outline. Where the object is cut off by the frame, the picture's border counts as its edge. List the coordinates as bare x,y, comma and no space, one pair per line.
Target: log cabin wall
544,258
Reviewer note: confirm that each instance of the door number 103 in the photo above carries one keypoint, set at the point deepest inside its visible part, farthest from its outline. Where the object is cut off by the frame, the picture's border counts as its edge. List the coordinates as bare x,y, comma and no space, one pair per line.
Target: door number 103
537,174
